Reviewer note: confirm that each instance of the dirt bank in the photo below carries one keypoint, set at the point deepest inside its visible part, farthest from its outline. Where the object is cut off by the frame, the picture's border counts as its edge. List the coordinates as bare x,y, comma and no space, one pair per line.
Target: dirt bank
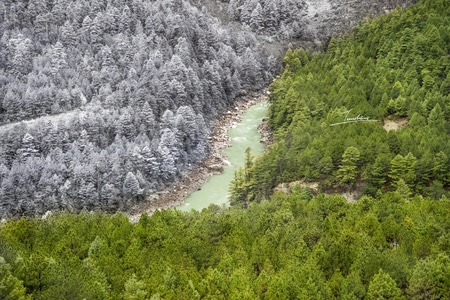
212,164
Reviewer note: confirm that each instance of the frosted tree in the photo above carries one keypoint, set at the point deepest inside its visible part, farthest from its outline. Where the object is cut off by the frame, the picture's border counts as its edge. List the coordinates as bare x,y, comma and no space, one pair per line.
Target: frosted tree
177,92
43,27
87,195
107,198
97,6
148,119
125,20
232,9
116,174
184,51
35,8
20,48
186,130
111,19
4,173
167,165
28,148
67,196
126,126
131,187
8,196
85,30
251,68
96,32
59,58
246,10
167,154
201,146
270,15
59,11
150,164
257,18
167,120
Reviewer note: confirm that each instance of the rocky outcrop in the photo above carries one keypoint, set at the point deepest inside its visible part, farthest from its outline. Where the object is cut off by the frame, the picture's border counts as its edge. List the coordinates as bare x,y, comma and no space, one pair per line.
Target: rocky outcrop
286,187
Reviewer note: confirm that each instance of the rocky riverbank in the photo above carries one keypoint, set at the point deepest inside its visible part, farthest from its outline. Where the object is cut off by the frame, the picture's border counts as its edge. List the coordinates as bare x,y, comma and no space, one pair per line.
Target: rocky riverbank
212,164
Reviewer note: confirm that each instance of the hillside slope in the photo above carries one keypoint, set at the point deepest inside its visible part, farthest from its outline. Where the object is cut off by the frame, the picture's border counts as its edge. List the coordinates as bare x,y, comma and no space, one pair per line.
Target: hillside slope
328,111
105,102
393,243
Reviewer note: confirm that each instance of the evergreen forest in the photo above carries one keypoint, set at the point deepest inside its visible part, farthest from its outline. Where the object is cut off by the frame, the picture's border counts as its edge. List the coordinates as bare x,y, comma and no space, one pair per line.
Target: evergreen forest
102,103
368,114
330,111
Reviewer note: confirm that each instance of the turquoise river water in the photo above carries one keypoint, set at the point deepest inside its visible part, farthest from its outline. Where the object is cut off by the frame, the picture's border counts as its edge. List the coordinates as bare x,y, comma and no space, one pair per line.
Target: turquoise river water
244,134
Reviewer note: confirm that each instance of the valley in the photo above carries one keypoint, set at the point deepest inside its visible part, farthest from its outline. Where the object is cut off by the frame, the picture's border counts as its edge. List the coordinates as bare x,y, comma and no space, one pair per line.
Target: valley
105,105
348,200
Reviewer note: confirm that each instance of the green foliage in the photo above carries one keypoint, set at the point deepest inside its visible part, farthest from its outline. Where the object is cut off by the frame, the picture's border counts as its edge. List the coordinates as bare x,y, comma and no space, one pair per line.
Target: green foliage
11,288
393,68
383,286
293,246
134,289
348,169
241,185
297,245
430,279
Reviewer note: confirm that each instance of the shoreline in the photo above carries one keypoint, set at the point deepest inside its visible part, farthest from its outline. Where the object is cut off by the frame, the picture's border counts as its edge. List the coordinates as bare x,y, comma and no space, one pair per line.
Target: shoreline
193,179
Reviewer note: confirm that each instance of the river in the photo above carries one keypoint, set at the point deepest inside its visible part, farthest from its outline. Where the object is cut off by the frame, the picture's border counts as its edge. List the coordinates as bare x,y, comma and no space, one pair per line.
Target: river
244,134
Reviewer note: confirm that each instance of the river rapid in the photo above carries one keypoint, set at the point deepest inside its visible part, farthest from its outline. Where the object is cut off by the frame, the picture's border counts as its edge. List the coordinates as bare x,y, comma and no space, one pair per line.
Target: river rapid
243,134
236,130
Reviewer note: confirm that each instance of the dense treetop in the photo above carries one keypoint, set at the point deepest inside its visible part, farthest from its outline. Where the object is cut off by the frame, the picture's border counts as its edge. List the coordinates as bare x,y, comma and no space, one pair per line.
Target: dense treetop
104,102
392,69
293,246
393,243
310,22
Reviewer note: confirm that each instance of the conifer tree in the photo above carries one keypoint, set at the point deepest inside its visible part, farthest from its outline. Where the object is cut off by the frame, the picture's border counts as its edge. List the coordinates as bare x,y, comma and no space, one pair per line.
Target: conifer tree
382,286
131,186
347,171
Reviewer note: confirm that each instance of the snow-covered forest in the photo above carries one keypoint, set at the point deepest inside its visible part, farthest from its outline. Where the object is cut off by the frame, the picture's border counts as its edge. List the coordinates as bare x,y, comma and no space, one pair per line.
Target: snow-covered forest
121,95
103,102
310,23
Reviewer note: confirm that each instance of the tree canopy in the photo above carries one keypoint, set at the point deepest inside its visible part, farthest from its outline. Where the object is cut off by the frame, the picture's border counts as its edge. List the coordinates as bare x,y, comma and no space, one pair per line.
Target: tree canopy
371,112
92,91
293,246
391,243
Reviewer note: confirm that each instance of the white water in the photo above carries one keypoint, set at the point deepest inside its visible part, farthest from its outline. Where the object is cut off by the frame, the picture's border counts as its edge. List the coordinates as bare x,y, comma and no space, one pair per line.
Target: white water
244,134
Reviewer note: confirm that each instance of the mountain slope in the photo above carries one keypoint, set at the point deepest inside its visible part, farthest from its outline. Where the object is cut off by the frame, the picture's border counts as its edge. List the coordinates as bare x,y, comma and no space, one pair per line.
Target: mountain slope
328,111
109,91
117,98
